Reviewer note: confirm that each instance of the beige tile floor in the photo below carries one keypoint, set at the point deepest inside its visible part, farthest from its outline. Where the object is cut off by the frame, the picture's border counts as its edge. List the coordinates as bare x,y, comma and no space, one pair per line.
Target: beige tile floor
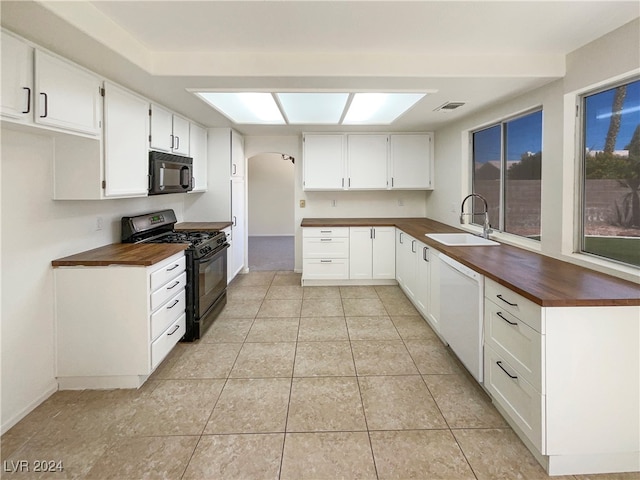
289,383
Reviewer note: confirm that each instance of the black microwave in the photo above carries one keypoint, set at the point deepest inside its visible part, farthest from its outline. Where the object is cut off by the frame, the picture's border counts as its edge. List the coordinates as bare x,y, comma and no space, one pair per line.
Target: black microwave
169,173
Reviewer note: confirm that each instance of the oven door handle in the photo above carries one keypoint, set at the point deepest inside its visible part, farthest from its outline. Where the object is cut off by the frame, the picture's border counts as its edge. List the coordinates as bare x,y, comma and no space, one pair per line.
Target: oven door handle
212,254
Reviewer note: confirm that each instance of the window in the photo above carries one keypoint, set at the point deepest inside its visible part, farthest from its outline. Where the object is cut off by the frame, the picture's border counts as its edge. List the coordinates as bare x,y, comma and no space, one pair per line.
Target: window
611,173
507,166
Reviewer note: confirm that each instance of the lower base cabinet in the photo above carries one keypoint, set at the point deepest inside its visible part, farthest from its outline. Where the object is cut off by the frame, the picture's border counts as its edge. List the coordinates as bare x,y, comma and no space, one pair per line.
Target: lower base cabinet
115,324
567,379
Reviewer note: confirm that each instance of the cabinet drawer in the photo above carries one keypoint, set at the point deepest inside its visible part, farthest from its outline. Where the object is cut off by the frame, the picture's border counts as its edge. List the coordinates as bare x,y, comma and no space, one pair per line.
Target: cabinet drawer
325,247
167,270
523,404
515,304
167,314
321,269
514,340
168,290
325,232
165,342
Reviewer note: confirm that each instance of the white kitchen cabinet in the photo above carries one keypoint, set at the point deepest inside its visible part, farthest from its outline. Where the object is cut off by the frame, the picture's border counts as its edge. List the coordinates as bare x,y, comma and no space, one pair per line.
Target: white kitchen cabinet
169,132
367,156
411,161
237,155
17,79
567,379
427,284
406,270
198,151
238,227
325,254
115,324
67,96
372,253
126,128
230,271
323,161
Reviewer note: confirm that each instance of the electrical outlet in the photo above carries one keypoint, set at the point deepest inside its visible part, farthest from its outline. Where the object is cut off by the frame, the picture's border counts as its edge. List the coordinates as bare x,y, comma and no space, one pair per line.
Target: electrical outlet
303,204
99,223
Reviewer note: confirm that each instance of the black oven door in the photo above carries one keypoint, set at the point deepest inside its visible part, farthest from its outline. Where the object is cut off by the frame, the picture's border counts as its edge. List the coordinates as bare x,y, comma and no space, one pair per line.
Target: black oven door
212,280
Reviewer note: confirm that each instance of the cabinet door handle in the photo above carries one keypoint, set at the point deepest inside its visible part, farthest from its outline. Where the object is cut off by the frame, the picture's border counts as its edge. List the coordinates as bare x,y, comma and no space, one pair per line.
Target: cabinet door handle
175,329
177,142
175,302
391,182
234,169
401,233
413,244
506,319
174,285
372,233
513,377
173,141
46,105
28,99
506,301
173,268
234,221
424,254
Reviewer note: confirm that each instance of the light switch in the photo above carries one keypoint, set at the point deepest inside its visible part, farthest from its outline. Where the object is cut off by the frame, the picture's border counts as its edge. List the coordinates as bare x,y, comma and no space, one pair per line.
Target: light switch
303,204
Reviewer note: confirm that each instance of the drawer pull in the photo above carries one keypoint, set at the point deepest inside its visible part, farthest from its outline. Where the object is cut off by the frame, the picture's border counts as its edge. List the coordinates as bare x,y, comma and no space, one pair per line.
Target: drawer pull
506,319
499,363
325,261
174,285
174,267
507,302
326,239
175,329
175,302
326,231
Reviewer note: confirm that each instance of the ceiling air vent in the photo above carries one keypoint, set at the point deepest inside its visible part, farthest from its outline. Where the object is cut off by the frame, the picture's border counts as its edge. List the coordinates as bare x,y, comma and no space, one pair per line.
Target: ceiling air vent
449,106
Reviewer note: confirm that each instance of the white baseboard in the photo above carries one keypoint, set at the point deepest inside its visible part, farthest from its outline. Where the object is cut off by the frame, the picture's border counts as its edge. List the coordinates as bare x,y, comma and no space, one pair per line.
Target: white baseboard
50,390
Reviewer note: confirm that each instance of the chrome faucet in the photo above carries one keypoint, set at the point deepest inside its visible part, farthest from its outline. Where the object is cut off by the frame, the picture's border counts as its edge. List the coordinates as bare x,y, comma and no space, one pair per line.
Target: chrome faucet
486,228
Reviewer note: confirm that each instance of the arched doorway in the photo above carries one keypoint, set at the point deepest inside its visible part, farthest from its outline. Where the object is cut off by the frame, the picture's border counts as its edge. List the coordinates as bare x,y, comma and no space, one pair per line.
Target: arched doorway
270,212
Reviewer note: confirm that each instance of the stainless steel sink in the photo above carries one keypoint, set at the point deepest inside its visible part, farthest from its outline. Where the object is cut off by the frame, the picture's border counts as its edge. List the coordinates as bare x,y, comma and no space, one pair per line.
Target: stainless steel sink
461,239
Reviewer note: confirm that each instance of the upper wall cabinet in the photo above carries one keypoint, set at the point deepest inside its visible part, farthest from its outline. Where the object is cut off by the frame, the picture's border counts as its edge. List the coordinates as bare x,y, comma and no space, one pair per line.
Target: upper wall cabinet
371,161
67,97
367,162
56,94
198,151
126,128
323,161
17,79
169,132
411,161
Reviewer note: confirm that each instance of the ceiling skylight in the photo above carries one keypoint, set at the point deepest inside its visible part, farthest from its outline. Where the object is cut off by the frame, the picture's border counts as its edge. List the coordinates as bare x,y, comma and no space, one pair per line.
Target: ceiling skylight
245,107
311,108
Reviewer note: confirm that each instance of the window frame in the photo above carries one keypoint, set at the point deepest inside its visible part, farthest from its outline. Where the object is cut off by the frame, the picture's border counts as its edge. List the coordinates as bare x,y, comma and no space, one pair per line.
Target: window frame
502,122
581,157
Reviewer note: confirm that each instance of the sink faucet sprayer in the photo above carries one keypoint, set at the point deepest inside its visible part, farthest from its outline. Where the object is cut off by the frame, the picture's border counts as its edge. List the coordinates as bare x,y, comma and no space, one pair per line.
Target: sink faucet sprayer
486,228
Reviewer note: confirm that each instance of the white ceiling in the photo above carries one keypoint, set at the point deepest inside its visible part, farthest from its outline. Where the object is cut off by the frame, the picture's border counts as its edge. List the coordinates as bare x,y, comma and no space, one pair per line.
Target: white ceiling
478,52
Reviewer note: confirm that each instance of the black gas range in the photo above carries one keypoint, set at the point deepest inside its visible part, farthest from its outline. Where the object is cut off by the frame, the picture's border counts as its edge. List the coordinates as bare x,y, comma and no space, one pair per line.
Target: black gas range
206,264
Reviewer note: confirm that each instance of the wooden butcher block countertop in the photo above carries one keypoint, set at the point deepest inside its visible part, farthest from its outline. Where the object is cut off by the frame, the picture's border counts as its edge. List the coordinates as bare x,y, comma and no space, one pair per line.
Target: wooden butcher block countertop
201,226
543,280
135,254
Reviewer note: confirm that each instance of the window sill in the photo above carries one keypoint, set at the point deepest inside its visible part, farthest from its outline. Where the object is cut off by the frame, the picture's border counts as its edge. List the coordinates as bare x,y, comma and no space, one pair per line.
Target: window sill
615,269
507,238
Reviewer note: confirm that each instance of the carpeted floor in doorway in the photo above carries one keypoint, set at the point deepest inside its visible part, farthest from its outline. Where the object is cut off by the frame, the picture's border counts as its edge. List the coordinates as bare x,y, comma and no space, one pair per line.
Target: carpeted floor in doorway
271,253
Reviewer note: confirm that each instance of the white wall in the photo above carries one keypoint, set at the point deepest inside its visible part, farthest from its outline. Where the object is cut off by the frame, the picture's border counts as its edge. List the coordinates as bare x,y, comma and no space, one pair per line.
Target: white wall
271,195
35,231
587,67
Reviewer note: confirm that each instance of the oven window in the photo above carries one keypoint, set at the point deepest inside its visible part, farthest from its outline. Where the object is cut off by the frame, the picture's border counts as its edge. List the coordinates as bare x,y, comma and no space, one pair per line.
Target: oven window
212,280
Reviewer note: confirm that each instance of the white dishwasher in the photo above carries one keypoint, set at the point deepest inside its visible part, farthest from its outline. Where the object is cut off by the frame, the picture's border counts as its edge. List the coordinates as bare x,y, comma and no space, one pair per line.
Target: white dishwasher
462,313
